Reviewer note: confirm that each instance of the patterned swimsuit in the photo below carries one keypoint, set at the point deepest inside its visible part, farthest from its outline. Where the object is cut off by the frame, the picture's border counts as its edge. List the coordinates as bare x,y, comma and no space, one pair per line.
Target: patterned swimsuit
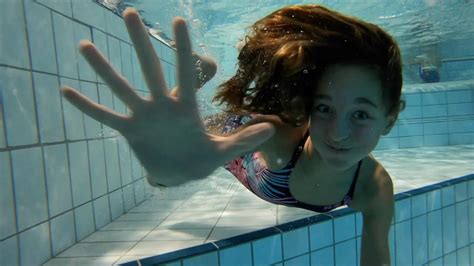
273,186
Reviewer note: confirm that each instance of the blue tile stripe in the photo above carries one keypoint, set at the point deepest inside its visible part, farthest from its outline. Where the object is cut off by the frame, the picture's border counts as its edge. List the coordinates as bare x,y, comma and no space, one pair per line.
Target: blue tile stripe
305,222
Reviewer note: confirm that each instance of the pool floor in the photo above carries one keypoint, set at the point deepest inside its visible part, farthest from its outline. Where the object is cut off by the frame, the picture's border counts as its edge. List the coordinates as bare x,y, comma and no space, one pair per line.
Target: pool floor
220,207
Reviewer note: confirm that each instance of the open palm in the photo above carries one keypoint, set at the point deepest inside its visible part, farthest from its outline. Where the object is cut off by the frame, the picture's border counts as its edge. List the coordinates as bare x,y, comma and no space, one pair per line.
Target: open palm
164,130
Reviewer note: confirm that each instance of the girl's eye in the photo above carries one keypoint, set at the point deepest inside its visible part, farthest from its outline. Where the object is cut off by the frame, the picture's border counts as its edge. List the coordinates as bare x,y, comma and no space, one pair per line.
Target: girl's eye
322,108
360,115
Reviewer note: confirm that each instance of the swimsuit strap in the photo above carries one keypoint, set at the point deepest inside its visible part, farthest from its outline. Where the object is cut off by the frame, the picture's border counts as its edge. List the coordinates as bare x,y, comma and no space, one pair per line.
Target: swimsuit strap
297,152
354,181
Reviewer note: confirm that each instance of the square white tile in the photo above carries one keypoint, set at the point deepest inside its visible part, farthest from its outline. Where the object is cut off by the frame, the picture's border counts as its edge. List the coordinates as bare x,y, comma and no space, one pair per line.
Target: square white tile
30,252
31,204
95,15
267,250
111,162
116,203
57,179
80,177
97,165
9,254
65,46
18,107
101,211
84,218
125,161
403,238
48,104
295,242
40,36
344,227
73,117
92,127
7,203
62,232
13,35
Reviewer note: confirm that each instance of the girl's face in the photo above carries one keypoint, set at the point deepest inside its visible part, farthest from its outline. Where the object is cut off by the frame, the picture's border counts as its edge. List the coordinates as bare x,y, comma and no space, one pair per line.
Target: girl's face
348,115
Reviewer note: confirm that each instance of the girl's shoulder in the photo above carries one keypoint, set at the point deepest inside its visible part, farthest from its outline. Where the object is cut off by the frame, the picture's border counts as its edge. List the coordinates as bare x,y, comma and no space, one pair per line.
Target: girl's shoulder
375,185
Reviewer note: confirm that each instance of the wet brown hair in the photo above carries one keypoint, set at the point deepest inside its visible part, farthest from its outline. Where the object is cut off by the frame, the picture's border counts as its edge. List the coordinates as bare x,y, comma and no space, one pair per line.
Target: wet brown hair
286,52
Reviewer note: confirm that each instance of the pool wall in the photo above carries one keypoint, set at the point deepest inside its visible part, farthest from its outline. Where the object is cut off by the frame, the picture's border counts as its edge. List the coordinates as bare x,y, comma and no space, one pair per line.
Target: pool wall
431,225
63,175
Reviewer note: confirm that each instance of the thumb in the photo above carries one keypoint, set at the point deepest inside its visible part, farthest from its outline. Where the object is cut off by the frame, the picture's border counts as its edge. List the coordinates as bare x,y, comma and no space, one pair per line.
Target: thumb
247,140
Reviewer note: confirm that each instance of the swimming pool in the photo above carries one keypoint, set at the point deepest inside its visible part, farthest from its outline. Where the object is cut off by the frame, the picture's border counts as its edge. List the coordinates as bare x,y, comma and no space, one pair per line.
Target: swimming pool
73,185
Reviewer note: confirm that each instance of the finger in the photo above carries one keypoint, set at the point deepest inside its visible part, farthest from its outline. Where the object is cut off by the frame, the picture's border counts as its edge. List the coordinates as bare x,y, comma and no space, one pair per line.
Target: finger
149,61
117,83
94,110
186,75
247,140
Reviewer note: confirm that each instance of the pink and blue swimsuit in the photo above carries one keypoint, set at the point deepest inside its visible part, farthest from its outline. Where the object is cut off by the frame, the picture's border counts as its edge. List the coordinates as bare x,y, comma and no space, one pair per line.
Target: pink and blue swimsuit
273,186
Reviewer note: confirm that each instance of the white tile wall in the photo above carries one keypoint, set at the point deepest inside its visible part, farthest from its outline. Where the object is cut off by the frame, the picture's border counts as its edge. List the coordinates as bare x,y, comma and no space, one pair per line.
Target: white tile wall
345,252
70,199
100,41
92,127
116,27
31,252
420,240
84,219
128,197
106,99
237,255
63,7
86,72
7,204
267,250
31,204
80,178
101,211
295,243
73,118
206,259
116,204
323,257
65,46
344,228
449,229
402,210
62,232
97,166
126,51
9,254
125,161
321,235
435,235
114,53
137,74
48,104
57,179
18,104
111,162
40,36
13,37
403,232
95,15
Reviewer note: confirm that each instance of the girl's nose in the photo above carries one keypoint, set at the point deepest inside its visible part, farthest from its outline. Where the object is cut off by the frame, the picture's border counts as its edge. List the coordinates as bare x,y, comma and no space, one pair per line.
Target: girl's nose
339,130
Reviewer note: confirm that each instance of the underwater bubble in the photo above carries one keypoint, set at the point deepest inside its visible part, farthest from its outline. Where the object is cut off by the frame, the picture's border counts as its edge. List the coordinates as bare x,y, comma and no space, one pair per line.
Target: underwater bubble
305,71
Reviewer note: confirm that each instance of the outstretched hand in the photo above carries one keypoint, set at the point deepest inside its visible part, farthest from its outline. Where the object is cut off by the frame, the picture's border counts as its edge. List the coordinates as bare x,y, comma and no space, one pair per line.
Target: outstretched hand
164,130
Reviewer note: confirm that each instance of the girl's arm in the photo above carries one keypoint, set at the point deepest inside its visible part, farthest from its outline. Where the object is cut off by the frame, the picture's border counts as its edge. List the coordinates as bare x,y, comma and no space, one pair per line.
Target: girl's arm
377,217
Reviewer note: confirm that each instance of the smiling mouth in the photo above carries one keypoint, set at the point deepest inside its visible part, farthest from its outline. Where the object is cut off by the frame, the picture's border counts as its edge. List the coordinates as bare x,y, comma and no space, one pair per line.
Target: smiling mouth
337,149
